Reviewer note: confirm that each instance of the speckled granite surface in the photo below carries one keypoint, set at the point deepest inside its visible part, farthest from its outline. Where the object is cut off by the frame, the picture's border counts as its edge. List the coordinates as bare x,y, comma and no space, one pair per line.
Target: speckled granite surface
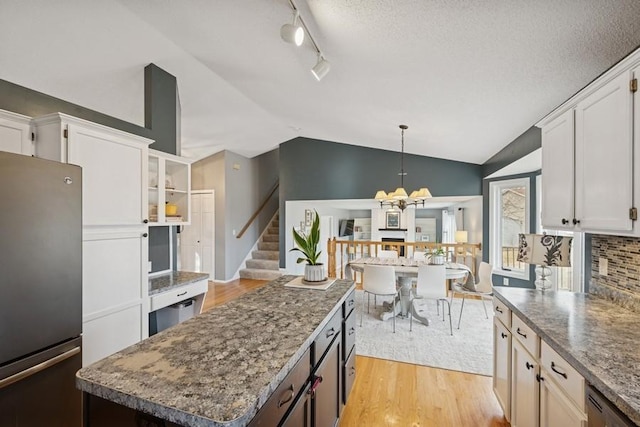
172,280
597,337
218,368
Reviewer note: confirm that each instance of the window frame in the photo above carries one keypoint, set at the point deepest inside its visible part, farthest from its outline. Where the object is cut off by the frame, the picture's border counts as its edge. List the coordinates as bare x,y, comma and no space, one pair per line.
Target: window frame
495,224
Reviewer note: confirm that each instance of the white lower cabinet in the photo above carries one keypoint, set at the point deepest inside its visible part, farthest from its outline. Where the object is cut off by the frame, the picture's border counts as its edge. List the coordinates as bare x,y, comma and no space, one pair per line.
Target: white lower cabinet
556,409
524,387
502,365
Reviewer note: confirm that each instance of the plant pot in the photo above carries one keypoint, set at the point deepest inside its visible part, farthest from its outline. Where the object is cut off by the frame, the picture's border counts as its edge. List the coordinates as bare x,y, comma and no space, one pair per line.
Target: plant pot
314,273
436,259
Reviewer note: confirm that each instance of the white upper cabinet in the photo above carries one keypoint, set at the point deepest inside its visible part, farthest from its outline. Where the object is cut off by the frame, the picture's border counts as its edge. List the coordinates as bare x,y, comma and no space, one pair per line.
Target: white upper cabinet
604,157
114,167
558,172
169,185
15,133
589,155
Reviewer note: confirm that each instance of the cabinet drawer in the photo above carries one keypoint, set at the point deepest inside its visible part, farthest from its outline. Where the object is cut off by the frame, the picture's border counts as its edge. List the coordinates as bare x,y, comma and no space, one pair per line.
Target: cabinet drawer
564,375
348,376
349,335
349,304
175,295
283,397
326,336
502,312
525,335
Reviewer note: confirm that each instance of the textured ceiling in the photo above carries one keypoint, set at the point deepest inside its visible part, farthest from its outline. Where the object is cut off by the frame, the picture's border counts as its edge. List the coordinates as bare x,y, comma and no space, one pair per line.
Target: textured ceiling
467,77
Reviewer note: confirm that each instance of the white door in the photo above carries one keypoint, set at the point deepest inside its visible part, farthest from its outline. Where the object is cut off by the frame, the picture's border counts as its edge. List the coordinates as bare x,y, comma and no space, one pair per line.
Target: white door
558,172
524,387
113,190
604,157
15,134
502,366
197,240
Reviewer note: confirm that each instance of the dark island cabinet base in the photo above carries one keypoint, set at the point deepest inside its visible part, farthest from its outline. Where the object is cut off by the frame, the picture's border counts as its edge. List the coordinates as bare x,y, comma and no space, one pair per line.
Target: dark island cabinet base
99,412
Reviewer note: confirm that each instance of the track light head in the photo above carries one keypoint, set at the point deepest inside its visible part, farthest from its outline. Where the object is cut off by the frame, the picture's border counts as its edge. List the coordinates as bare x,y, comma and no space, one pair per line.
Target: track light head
293,33
321,68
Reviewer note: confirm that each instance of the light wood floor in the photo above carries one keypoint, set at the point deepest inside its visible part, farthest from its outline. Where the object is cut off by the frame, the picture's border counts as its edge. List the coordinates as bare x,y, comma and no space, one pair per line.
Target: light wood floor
388,393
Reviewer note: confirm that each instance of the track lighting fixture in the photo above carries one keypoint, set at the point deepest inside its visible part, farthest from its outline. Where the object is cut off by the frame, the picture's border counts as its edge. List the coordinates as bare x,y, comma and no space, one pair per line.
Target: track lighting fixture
293,33
321,68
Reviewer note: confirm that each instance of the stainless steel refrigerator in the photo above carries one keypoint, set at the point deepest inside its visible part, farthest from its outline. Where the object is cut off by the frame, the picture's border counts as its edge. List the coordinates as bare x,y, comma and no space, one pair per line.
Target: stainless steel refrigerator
40,292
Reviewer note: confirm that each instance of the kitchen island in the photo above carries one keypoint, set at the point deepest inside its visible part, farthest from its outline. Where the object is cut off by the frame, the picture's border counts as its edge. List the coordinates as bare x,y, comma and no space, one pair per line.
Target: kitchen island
221,367
597,337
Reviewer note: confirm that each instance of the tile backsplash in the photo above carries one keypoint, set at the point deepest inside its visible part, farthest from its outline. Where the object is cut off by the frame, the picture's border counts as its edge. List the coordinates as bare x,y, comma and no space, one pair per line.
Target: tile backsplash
622,281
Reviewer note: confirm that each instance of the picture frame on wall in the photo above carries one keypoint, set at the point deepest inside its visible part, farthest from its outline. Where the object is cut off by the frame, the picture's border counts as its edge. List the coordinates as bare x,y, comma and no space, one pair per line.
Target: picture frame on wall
393,219
308,217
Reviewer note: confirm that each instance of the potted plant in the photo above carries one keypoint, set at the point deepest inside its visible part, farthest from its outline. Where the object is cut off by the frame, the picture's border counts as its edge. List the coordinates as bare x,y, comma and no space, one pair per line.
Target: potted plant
437,256
307,244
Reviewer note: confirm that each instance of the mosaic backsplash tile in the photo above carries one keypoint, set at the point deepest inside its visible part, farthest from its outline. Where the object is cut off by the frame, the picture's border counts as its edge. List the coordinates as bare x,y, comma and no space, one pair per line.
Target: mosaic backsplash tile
622,282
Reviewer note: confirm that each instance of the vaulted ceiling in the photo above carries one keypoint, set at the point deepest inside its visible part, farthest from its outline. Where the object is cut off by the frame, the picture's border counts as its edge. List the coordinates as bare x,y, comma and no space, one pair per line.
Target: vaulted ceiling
466,77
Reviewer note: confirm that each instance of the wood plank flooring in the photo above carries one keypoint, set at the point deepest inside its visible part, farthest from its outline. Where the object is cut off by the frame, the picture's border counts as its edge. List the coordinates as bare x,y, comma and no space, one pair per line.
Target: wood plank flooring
388,393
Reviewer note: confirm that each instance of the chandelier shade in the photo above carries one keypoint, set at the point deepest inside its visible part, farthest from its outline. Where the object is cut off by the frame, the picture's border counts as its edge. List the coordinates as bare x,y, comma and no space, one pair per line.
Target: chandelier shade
400,198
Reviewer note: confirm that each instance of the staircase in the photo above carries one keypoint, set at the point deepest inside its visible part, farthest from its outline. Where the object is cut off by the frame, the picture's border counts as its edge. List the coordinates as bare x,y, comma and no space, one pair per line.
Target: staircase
265,262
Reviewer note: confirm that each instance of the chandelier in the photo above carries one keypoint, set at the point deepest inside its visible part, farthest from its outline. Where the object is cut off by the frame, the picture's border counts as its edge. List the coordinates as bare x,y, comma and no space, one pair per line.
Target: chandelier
399,198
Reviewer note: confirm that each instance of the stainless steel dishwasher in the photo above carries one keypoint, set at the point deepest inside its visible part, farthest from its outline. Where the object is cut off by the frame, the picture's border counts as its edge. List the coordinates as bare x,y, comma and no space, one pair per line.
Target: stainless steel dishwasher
603,413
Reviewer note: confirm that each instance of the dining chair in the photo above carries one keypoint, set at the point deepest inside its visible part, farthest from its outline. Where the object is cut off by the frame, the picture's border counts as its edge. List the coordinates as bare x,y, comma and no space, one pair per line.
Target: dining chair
432,284
383,253
419,256
483,288
379,280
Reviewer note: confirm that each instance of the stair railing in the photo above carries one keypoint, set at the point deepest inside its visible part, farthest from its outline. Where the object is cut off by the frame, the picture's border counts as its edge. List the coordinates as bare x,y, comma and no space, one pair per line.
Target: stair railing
257,212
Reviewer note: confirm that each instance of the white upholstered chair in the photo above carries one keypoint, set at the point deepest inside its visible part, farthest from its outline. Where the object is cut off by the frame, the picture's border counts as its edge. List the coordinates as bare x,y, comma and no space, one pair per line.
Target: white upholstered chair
432,284
379,280
419,256
383,253
483,288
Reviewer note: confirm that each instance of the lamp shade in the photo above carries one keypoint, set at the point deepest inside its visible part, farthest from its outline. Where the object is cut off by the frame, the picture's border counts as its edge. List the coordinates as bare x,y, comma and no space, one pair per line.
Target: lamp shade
462,236
544,249
381,195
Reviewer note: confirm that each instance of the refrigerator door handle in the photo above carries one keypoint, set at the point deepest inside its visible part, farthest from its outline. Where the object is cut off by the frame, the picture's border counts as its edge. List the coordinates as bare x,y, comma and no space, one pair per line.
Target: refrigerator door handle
39,367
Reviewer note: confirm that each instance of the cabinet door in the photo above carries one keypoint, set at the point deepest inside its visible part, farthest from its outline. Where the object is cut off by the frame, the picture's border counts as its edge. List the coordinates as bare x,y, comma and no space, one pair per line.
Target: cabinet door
502,366
112,172
604,157
326,400
555,408
524,387
558,172
300,414
15,134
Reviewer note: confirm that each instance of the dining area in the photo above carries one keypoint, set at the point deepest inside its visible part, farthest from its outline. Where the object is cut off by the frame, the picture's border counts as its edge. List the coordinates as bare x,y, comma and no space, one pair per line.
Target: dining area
409,286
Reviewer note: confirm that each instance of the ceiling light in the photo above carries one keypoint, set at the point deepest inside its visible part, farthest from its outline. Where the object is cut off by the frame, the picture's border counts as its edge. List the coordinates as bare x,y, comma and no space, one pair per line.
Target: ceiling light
293,33
399,197
321,68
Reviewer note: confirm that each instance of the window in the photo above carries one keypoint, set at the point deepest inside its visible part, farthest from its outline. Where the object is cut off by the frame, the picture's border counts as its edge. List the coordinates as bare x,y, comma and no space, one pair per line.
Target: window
508,216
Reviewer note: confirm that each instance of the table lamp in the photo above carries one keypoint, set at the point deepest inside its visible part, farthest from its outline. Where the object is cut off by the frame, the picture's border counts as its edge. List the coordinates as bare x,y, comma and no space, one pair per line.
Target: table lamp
461,236
544,251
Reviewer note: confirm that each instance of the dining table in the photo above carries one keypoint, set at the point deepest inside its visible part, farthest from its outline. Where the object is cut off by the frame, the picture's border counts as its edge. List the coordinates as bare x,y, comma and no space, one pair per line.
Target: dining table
406,269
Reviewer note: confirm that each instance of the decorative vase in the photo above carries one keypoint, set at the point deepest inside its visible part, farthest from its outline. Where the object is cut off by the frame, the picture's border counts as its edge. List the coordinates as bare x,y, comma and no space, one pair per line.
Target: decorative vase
314,273
437,259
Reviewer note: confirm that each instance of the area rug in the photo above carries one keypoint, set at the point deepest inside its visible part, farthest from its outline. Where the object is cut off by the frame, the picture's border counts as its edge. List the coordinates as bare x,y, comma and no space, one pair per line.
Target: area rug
470,349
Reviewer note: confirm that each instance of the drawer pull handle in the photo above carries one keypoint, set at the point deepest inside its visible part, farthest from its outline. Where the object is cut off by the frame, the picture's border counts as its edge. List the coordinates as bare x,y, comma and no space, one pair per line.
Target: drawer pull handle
290,394
180,294
503,334
562,374
520,333
498,309
528,365
316,383
352,331
331,332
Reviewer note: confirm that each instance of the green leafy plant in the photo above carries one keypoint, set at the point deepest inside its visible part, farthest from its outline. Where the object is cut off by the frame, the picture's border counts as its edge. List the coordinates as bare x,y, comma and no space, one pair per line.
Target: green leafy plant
307,244
438,251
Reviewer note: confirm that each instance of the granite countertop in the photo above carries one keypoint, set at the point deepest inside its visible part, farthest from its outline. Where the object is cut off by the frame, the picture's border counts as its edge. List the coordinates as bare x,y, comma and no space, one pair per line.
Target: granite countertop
175,279
597,337
218,368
